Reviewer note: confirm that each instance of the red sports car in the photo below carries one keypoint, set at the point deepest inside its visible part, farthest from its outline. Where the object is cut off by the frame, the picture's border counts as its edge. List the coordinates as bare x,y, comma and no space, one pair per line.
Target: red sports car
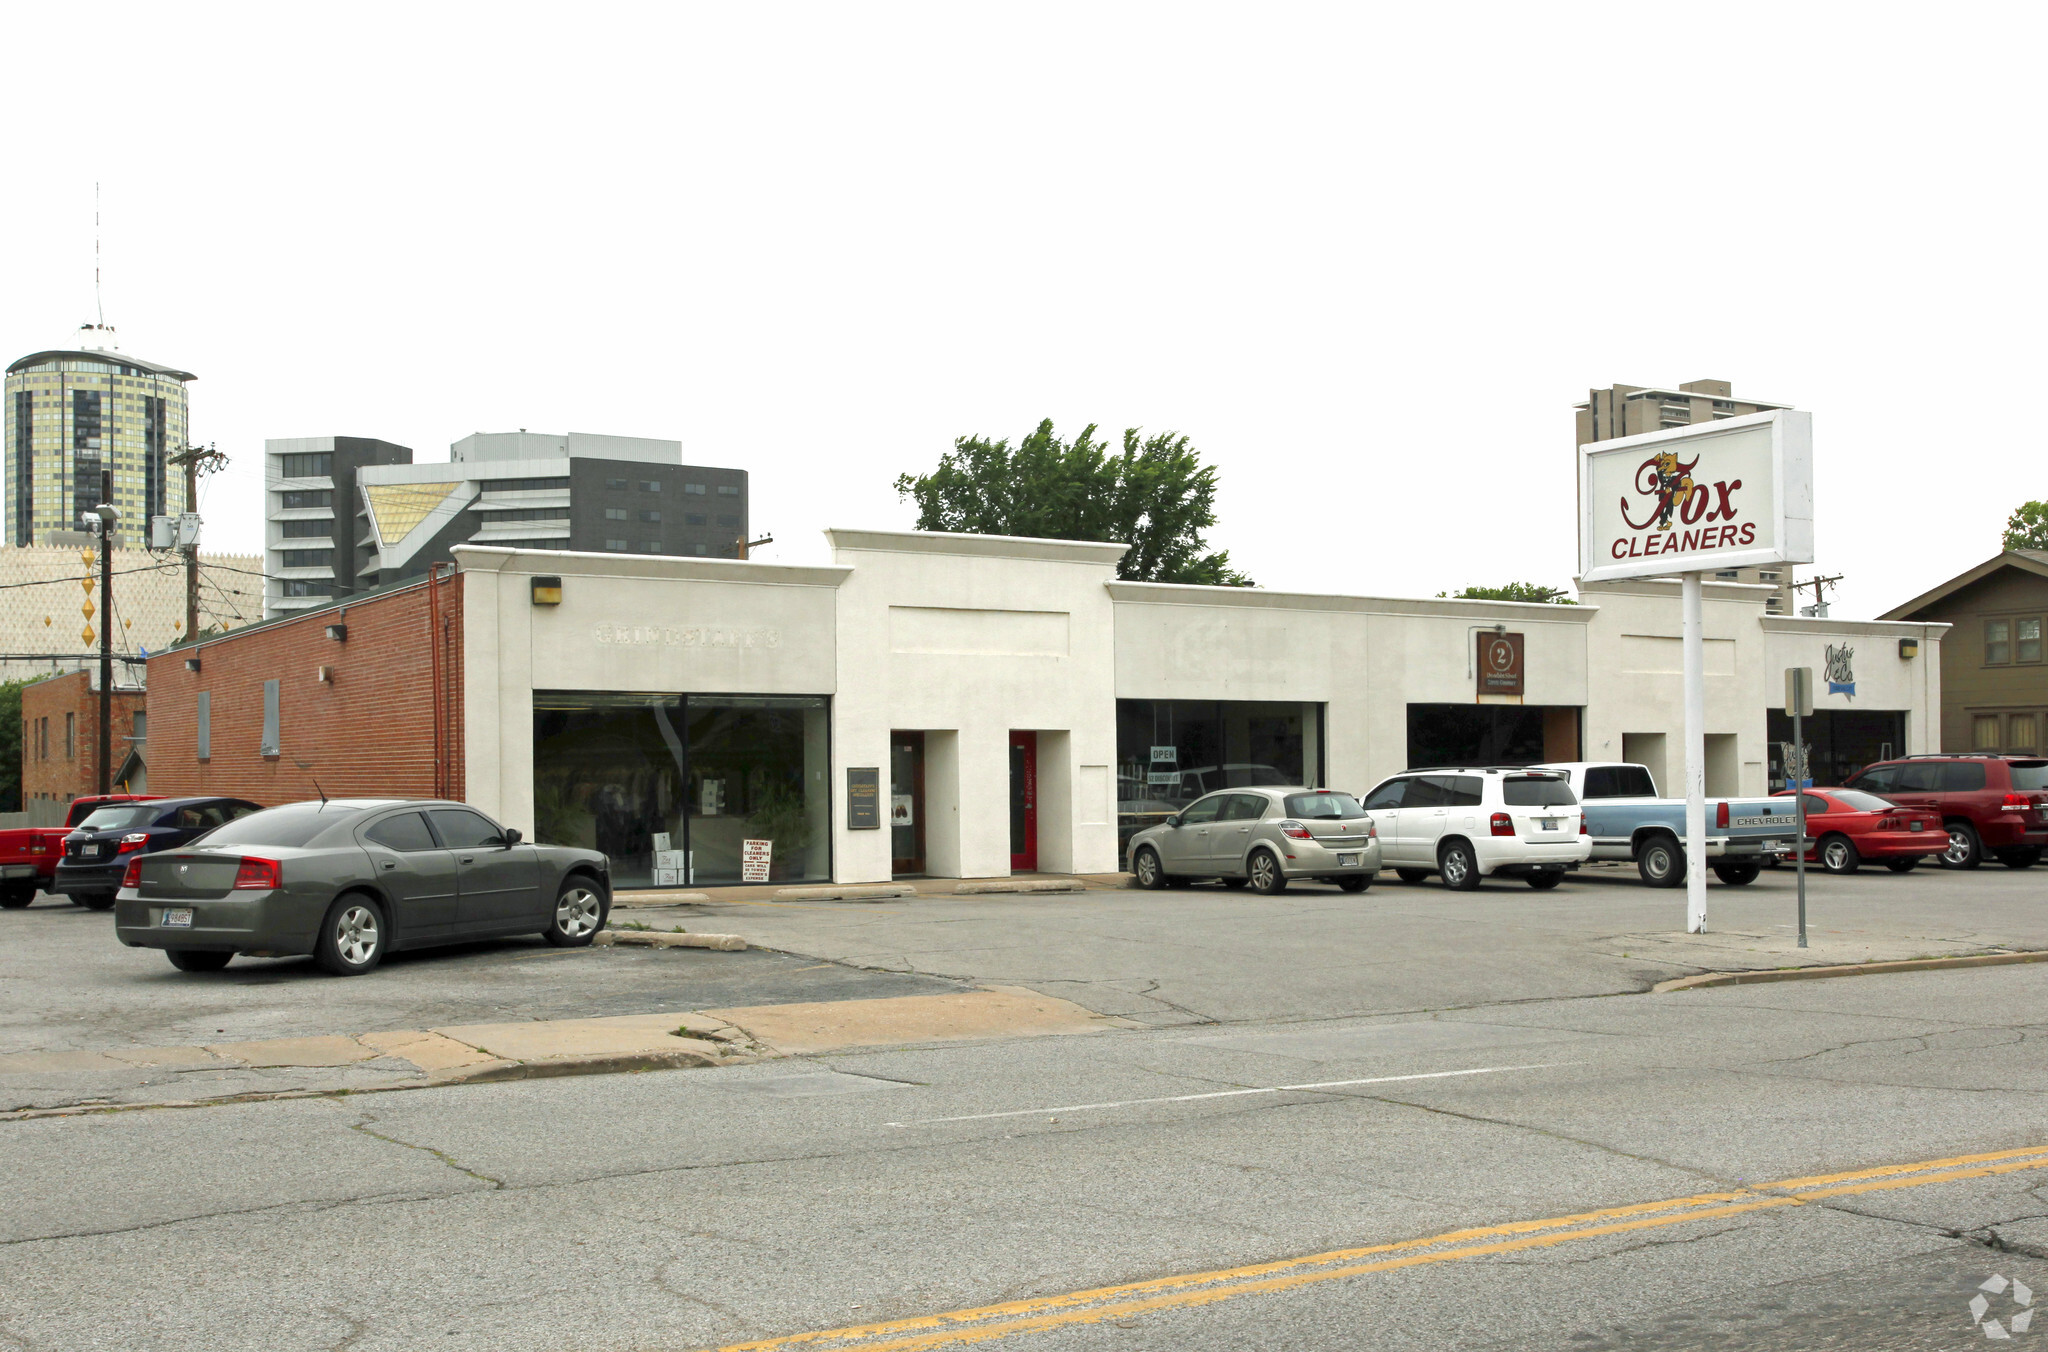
1848,826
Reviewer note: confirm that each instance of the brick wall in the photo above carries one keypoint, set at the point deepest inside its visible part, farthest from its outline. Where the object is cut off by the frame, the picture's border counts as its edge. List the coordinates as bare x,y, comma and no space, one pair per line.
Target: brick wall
49,769
366,732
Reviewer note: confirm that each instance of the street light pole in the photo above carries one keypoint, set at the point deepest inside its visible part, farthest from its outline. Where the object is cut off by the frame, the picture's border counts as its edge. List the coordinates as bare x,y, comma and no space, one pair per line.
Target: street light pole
108,516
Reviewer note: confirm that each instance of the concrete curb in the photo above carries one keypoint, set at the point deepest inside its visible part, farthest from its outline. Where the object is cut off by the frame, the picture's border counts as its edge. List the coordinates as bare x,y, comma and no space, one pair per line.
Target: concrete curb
724,943
642,901
607,1063
1705,979
854,892
976,889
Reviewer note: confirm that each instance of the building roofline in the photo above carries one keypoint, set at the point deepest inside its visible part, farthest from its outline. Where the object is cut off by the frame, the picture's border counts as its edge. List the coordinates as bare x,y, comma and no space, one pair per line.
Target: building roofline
109,357
983,546
1446,607
2033,561
475,558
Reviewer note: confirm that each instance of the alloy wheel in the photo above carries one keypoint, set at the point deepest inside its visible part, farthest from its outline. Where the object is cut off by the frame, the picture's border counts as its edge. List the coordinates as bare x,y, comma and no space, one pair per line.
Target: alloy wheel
1264,871
1454,868
355,935
1147,868
576,912
1835,856
1958,851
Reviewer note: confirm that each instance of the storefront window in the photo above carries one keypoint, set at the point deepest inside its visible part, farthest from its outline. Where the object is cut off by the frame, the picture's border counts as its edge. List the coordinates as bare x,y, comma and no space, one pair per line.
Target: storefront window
680,790
1171,752
1840,742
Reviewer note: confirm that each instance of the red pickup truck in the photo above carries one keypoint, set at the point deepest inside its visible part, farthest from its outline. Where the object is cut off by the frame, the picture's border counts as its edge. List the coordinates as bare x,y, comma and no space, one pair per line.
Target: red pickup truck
29,854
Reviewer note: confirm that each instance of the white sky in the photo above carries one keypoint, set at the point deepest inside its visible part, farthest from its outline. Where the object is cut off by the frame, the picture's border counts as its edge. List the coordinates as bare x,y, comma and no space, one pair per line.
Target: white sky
1368,257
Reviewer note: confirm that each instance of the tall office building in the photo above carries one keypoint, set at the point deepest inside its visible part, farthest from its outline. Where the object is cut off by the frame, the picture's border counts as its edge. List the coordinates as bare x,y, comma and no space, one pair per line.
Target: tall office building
347,514
1631,410
74,411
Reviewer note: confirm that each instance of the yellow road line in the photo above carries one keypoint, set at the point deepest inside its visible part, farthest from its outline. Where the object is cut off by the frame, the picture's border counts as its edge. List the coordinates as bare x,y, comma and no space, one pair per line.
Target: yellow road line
1004,1320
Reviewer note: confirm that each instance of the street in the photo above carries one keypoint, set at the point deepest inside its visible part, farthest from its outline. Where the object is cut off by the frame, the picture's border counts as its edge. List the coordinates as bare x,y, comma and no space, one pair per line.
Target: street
1233,1168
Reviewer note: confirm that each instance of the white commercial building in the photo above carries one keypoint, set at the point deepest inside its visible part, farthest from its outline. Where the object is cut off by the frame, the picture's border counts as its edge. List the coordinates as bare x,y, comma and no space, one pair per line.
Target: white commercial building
975,706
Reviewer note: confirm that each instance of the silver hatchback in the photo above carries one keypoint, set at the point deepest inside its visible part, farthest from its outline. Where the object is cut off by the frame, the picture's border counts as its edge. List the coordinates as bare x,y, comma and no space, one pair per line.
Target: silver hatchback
1263,836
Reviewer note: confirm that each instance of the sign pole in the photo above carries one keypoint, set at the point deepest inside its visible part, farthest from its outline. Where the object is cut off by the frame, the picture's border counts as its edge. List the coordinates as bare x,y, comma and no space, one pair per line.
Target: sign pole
1799,801
1695,756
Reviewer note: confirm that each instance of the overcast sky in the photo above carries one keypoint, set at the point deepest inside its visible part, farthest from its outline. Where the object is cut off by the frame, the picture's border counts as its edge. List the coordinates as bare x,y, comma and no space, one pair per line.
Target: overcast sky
1368,257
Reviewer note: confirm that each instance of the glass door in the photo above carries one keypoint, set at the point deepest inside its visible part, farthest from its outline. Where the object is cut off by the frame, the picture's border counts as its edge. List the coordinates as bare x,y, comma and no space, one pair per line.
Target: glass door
906,803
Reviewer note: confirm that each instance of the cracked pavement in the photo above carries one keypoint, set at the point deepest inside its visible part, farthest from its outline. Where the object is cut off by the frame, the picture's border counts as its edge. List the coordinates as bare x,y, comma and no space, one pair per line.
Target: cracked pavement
701,1208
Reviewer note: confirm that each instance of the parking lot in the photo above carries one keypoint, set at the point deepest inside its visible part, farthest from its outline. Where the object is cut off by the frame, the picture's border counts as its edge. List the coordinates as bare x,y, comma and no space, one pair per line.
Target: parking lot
1189,955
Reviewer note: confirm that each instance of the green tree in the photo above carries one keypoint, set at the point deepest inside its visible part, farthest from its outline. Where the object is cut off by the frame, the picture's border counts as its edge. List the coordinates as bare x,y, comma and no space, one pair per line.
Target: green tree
10,745
2027,527
1515,591
1155,495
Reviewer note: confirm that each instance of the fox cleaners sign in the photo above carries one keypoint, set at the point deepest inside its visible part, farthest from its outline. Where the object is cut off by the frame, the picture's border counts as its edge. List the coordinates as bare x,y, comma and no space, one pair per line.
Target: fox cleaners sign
1731,494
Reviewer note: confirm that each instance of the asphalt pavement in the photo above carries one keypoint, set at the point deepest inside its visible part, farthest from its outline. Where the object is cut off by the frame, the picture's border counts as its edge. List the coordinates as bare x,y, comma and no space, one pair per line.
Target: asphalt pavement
1018,1183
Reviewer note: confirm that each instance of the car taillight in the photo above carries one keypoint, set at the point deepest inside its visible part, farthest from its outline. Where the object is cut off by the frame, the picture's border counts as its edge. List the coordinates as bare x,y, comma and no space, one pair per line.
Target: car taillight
133,877
1294,830
1584,829
133,841
1503,824
1721,813
2018,800
1372,829
264,873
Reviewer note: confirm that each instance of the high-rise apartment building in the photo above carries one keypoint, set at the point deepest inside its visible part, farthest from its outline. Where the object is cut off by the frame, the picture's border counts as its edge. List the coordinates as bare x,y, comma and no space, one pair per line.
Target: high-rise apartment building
72,412
1631,410
347,514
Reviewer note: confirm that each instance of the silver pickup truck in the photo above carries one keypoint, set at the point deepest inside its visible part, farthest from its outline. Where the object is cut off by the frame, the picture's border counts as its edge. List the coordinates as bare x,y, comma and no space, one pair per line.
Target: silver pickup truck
1628,820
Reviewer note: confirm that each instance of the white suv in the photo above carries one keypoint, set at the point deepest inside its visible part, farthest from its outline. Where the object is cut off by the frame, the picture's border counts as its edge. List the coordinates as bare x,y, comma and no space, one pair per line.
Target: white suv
1467,824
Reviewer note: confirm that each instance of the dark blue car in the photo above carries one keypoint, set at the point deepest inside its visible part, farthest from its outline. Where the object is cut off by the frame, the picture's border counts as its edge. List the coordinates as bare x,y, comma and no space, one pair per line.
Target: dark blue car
97,852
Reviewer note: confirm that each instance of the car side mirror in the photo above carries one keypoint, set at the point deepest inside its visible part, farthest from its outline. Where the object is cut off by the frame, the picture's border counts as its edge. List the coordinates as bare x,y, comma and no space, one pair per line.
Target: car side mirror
1174,821
512,836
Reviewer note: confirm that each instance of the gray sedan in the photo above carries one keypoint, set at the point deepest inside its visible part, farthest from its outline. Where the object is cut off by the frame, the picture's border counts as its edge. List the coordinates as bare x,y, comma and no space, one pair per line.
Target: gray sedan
349,880
1262,836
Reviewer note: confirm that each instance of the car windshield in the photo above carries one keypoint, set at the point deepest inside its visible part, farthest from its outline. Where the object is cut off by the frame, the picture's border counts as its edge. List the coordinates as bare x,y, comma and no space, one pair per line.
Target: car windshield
288,826
120,818
1536,791
1858,801
1323,805
2028,774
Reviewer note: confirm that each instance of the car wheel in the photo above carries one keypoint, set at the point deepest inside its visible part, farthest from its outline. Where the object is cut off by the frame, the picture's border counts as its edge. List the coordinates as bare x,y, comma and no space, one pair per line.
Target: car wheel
1267,879
1738,875
1358,884
197,959
351,938
1661,862
1145,867
95,901
1411,875
2019,858
14,898
579,914
1838,855
1964,849
1543,882
1902,865
1234,884
1456,866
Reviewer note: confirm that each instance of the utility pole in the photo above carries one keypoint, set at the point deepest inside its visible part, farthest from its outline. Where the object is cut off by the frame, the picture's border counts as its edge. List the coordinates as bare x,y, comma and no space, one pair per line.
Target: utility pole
107,515
1820,587
197,460
747,547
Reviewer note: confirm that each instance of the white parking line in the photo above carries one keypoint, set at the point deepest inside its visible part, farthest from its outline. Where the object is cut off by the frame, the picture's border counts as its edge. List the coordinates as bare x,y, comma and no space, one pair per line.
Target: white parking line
1227,1093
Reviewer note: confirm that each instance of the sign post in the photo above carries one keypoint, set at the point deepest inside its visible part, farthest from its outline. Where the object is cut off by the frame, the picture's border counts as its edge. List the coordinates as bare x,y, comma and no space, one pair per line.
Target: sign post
1799,706
1737,493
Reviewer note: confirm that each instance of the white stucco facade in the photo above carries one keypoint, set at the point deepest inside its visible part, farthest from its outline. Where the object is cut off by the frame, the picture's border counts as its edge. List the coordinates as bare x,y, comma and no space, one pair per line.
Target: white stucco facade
970,640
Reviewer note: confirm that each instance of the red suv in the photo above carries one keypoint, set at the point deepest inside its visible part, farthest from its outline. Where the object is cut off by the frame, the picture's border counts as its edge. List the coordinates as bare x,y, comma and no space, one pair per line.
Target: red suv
1997,804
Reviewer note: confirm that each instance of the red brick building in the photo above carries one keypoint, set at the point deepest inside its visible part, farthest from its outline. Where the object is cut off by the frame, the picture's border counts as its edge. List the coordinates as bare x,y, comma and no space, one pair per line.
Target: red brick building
363,696
60,737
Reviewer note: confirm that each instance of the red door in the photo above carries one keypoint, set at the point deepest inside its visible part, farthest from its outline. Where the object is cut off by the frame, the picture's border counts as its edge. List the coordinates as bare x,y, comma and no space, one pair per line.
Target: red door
1023,802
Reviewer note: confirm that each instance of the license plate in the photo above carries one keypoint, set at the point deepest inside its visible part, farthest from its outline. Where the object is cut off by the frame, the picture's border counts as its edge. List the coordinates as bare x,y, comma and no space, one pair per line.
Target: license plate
1548,823
1918,826
88,852
1347,861
177,917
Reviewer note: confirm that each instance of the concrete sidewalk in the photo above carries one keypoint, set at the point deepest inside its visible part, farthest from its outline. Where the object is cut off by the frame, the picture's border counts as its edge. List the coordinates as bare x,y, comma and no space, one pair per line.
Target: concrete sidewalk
33,1082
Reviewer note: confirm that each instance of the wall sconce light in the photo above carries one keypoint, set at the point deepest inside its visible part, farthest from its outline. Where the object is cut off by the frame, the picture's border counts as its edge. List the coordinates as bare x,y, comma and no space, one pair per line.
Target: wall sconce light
338,632
1909,648
324,674
547,591
191,664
